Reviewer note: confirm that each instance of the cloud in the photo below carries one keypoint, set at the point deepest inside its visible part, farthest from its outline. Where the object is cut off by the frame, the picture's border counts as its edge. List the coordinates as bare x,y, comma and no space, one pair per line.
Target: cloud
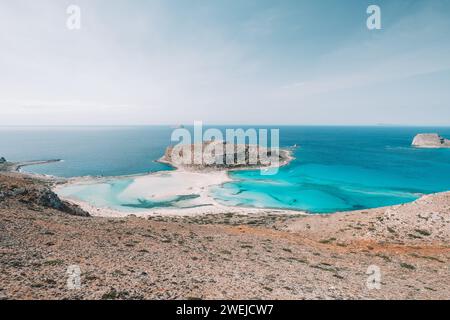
415,45
169,62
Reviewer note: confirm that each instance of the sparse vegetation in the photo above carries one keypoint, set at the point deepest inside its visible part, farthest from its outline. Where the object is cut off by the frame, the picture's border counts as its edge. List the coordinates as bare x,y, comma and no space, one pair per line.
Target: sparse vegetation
423,232
407,266
221,255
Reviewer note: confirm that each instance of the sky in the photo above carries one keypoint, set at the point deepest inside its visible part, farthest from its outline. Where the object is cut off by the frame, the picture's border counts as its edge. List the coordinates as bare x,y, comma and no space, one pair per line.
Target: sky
224,62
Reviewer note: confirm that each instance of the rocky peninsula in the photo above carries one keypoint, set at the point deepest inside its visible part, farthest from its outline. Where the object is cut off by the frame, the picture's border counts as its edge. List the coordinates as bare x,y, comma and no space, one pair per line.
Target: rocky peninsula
220,155
16,166
430,140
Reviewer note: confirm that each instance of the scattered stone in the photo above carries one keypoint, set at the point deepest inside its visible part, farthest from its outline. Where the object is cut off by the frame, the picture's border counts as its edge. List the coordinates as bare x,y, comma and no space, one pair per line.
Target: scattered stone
203,256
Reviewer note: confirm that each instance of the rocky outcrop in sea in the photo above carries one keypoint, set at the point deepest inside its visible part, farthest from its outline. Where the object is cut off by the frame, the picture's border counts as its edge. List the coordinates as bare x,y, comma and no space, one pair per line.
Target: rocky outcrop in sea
430,140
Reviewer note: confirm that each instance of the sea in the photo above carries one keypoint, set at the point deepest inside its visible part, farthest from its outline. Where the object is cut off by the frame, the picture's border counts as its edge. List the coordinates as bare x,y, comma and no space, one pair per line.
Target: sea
336,168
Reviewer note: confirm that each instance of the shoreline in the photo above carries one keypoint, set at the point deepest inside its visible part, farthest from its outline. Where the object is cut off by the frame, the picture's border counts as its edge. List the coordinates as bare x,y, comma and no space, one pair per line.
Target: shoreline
204,205
199,184
17,166
184,182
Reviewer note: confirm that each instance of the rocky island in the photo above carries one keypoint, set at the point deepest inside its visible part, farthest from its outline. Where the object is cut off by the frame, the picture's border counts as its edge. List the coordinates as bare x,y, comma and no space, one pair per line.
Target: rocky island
430,140
216,155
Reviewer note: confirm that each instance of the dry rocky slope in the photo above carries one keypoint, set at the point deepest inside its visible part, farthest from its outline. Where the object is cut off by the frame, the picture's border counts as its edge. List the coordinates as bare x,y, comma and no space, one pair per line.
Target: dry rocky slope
34,193
227,256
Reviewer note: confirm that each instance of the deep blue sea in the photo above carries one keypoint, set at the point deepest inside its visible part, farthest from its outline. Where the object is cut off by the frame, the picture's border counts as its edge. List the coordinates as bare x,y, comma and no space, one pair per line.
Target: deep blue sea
336,168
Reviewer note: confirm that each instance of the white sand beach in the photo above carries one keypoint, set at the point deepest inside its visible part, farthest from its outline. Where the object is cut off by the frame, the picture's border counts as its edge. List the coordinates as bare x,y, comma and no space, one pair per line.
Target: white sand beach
160,186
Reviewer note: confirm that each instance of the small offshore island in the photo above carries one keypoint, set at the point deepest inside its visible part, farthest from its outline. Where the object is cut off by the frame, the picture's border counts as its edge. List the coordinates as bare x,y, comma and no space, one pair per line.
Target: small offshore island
211,251
430,140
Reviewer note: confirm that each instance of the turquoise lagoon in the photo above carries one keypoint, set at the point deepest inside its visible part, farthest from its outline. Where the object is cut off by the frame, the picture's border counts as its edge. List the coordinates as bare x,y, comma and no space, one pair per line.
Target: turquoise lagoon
112,194
336,168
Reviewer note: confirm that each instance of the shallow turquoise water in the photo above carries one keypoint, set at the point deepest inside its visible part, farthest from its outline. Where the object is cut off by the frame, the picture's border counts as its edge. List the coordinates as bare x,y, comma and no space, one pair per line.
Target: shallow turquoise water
106,194
110,194
336,168
345,168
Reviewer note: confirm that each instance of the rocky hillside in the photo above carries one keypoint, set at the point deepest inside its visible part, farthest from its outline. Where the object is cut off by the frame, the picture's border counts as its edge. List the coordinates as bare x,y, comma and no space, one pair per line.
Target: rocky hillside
3,164
16,188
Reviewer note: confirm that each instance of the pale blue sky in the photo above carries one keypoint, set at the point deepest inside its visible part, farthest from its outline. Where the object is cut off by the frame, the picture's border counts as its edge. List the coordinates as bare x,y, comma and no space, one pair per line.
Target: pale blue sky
241,62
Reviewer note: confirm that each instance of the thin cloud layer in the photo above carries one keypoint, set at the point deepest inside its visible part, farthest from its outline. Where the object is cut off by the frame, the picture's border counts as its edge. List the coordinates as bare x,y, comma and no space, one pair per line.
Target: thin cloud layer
164,62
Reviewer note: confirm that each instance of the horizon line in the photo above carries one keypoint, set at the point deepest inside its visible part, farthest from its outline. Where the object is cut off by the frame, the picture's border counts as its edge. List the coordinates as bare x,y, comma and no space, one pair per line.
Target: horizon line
225,124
